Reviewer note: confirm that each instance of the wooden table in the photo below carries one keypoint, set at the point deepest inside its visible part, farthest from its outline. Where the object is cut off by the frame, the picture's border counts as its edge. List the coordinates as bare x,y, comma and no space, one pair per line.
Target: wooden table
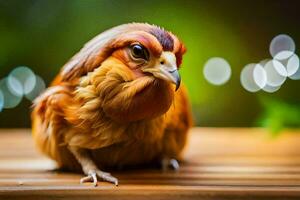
220,163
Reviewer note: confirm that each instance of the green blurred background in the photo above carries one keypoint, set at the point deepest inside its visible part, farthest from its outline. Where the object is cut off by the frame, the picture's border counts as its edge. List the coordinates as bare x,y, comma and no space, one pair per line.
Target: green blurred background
43,35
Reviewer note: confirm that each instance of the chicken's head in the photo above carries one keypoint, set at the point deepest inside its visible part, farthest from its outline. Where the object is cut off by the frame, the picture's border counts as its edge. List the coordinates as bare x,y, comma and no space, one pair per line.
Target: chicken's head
133,68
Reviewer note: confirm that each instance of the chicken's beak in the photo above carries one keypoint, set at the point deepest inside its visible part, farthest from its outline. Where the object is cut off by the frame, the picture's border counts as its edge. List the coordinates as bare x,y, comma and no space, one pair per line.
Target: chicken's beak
166,69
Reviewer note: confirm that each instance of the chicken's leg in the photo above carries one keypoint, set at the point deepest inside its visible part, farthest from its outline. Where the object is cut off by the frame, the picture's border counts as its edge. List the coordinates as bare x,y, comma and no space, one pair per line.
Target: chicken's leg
89,168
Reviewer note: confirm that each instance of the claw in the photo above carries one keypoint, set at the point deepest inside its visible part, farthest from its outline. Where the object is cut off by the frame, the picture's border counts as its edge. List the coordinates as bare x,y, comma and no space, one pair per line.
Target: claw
169,164
108,177
174,164
92,177
85,179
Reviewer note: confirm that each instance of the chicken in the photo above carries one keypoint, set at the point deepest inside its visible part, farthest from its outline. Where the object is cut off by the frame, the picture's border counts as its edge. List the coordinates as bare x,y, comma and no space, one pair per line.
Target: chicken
116,103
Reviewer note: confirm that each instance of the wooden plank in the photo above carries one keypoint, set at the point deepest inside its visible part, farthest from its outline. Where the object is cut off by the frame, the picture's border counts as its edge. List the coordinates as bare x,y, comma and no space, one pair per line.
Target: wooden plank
242,141
219,163
152,192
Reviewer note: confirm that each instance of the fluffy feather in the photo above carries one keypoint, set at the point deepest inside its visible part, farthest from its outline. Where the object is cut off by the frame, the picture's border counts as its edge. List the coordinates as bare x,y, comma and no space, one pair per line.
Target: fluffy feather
100,104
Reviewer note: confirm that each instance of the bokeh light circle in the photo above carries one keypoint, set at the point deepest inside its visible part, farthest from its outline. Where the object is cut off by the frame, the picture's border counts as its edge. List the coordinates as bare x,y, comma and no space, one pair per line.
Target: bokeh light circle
247,78
281,43
217,71
38,89
271,89
276,73
15,86
283,55
259,76
296,76
1,100
292,65
11,99
25,77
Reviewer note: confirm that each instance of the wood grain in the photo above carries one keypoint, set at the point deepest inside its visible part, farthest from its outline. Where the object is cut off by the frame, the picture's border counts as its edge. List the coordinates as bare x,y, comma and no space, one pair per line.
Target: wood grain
219,163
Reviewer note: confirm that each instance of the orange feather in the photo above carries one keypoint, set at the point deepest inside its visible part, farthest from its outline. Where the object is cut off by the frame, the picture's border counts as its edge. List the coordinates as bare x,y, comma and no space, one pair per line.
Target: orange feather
100,104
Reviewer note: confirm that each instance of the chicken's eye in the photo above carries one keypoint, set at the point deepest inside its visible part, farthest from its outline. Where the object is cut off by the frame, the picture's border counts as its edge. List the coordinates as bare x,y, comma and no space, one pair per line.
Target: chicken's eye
138,51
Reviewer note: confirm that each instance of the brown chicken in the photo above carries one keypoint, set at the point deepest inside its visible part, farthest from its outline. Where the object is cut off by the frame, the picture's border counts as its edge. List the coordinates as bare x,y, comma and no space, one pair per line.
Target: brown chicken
115,104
